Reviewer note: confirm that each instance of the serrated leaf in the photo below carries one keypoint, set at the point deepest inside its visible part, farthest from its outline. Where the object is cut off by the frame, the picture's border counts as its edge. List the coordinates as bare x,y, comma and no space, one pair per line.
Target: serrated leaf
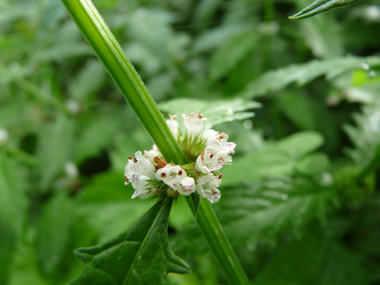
53,231
280,158
140,255
55,148
216,112
275,80
314,260
365,136
320,6
272,205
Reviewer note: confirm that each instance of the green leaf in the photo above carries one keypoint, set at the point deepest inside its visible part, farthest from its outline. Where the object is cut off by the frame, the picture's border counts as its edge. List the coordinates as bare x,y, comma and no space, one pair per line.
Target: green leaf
314,260
216,112
55,148
366,138
7,245
25,267
97,135
141,255
87,81
320,6
276,80
13,201
53,231
280,158
228,55
299,109
271,206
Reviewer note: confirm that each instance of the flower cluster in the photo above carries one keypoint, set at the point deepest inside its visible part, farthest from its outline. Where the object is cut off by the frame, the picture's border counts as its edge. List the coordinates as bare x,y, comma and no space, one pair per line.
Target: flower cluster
208,151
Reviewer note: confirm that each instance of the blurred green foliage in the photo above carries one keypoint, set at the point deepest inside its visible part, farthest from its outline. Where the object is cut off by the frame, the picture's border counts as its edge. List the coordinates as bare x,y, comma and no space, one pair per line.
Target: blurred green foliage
300,203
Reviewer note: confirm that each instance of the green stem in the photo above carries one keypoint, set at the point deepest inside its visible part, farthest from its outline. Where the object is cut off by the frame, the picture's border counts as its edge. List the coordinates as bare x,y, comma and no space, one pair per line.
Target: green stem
110,53
125,76
214,234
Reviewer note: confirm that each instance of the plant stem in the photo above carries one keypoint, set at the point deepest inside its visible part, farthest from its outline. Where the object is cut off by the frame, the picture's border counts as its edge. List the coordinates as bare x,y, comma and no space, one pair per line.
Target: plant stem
214,234
110,53
125,76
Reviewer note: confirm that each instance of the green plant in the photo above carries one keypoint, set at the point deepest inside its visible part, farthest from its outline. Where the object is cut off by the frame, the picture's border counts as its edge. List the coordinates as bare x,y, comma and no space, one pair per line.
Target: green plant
298,205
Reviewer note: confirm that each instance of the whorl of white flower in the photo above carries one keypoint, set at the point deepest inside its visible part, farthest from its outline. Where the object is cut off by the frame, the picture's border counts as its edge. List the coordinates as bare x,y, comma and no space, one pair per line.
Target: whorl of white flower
207,151
194,123
173,125
171,175
187,186
139,171
3,137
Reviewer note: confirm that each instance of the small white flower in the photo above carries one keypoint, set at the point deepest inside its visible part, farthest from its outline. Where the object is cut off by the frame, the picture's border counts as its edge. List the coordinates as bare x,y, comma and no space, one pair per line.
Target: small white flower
152,153
218,141
173,125
171,175
142,194
211,160
187,186
207,183
213,195
139,171
194,123
3,137
71,169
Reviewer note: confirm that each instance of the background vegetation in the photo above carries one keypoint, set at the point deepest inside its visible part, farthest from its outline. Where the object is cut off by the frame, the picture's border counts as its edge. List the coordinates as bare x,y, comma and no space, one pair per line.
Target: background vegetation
300,203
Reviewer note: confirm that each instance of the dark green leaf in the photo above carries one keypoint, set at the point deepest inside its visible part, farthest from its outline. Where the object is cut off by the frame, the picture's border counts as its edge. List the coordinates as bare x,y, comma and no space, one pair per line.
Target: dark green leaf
320,6
55,148
141,255
275,159
314,260
272,205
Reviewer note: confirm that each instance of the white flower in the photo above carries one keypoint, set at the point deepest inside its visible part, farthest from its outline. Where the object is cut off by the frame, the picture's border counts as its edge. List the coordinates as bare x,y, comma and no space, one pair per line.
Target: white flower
152,153
187,186
171,175
193,123
218,141
173,125
211,160
213,195
71,169
207,182
142,194
139,171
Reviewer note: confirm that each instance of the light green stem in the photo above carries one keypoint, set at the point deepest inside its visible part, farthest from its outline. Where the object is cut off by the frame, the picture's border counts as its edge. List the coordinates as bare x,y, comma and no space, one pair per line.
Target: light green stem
110,53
